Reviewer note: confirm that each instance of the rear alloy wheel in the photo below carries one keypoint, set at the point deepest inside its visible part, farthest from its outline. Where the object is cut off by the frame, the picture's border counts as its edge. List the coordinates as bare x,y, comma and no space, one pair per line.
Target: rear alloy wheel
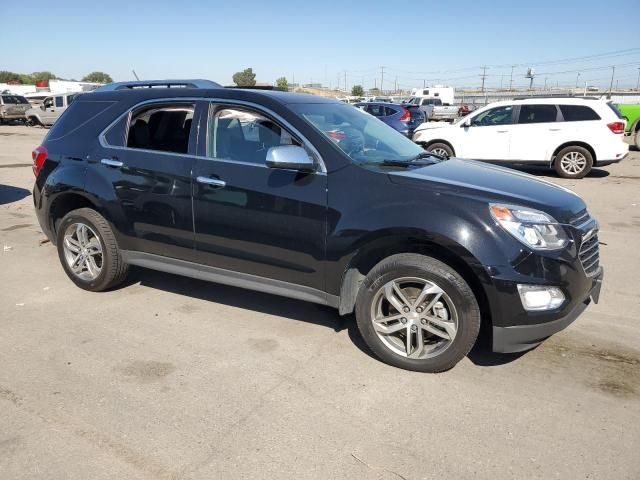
88,251
573,162
417,313
441,149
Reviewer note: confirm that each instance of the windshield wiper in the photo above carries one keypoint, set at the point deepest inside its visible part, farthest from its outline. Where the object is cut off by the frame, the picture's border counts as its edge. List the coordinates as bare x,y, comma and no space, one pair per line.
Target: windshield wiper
420,159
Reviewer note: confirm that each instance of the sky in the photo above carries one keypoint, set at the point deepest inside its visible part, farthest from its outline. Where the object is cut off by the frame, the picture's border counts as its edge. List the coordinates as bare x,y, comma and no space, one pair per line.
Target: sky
432,42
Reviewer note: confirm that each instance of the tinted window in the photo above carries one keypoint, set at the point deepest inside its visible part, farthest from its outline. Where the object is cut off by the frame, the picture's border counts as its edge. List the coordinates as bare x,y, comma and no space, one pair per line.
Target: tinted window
76,116
164,128
377,110
537,114
578,113
13,99
59,101
70,98
390,111
493,117
245,135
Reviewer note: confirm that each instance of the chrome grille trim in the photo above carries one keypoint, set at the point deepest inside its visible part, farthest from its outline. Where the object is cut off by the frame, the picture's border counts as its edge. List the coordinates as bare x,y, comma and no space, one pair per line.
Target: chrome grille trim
589,254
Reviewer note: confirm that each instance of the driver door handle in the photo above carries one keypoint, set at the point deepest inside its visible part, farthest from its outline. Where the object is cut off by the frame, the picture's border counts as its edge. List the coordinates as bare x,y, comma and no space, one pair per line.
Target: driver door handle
111,162
216,182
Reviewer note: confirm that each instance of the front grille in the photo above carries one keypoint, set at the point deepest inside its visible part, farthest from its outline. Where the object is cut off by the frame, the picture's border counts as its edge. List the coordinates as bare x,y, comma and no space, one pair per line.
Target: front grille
590,254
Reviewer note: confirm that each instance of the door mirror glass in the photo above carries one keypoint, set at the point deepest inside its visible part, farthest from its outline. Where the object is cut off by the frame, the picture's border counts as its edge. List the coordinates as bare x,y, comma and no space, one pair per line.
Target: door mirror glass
290,157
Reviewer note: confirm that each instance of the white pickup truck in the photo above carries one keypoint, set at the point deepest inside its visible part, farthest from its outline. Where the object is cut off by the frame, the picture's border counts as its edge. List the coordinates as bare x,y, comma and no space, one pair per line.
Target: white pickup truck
434,109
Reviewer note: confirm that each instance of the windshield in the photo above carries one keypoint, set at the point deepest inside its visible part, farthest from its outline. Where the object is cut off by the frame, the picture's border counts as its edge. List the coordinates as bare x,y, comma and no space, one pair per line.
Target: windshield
362,137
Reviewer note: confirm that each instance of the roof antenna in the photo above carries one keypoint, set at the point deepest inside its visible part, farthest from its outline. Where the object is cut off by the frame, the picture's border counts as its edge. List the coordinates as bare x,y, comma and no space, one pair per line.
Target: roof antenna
135,75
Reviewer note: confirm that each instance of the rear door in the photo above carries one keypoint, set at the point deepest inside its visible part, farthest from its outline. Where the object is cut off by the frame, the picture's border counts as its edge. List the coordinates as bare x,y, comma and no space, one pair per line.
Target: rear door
145,166
536,133
250,218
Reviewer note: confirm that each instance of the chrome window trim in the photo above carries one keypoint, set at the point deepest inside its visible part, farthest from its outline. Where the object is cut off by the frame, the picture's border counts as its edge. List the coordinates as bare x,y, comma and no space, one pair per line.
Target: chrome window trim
211,100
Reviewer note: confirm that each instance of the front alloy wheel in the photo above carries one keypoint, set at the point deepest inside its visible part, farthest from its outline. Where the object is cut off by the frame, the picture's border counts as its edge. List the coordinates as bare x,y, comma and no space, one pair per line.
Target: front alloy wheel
417,313
414,317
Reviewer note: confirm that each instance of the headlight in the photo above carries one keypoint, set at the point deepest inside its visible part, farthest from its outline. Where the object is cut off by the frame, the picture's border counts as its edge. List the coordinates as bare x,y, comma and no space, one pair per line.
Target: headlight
532,227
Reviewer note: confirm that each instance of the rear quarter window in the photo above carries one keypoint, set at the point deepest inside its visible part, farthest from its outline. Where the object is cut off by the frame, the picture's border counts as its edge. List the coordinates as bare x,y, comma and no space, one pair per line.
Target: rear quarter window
578,113
78,114
614,107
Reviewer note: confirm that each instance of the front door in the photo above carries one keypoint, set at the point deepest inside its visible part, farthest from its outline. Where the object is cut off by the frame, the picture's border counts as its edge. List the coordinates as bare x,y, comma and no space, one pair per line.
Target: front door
149,174
250,218
489,135
48,108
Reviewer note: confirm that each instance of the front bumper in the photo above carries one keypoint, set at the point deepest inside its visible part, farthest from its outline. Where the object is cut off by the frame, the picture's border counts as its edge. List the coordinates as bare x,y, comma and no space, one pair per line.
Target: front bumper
517,338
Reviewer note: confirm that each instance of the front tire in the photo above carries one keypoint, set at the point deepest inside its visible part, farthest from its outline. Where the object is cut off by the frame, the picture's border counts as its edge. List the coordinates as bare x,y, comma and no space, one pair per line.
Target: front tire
573,162
440,148
88,251
417,313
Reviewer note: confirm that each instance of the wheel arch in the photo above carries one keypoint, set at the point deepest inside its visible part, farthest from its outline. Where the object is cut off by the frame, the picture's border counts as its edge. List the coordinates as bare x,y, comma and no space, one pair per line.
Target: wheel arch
428,143
574,143
449,252
65,203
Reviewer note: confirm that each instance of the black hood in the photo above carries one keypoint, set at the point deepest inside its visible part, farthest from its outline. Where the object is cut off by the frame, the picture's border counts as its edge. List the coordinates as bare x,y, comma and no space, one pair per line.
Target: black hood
483,181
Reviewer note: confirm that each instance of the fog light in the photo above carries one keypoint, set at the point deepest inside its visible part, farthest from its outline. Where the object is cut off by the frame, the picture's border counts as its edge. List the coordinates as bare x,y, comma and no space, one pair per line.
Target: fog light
538,297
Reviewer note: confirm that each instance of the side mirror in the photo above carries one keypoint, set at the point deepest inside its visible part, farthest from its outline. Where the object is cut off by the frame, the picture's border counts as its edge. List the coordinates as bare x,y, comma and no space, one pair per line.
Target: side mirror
42,107
290,157
466,123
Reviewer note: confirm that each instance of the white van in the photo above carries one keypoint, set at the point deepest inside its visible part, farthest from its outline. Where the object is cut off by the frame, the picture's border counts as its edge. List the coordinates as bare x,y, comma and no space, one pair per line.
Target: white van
571,135
51,108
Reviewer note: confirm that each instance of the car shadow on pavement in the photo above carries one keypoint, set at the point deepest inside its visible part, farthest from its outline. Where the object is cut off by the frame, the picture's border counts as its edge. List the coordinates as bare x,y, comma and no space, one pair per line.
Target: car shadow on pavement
10,194
239,297
480,355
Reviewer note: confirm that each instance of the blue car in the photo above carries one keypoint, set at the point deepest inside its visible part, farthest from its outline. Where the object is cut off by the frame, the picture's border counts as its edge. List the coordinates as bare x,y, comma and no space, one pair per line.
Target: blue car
403,118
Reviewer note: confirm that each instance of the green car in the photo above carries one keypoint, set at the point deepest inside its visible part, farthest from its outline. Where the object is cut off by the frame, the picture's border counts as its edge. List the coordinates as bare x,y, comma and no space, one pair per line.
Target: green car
631,113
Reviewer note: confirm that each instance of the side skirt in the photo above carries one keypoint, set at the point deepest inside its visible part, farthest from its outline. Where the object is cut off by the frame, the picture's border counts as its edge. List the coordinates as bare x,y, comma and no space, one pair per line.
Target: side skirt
228,277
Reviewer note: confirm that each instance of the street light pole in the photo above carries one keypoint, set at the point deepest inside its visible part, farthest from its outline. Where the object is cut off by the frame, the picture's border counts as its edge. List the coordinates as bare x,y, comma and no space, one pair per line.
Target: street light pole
613,72
577,80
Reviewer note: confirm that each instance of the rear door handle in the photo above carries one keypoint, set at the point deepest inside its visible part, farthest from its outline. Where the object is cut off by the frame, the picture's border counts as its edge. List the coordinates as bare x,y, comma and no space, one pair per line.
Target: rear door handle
502,131
554,129
111,162
216,182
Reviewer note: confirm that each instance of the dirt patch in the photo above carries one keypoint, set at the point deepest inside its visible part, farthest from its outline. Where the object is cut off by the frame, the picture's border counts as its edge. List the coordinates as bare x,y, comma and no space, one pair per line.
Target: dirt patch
146,371
263,345
16,227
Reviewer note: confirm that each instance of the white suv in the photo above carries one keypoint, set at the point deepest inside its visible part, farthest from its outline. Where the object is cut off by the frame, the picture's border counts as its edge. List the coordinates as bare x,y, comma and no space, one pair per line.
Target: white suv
570,134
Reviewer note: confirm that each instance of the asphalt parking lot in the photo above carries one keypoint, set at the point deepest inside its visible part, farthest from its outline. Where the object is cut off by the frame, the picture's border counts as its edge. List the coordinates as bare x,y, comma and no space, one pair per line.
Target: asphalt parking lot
173,378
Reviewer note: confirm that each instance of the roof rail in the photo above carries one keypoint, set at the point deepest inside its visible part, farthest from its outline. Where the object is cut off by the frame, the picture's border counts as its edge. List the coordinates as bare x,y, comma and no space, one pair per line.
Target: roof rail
529,97
111,87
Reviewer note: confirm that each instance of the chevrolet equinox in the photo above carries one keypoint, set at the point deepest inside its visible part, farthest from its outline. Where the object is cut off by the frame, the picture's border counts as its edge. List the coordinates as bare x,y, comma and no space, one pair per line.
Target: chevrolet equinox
313,199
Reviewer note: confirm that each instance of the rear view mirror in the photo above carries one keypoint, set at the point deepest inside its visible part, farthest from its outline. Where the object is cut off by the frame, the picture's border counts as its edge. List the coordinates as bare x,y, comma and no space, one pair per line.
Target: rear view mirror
289,157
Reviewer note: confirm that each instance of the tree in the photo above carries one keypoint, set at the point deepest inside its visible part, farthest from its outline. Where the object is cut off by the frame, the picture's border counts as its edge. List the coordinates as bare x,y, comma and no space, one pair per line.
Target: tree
282,84
245,78
98,77
357,91
43,76
9,76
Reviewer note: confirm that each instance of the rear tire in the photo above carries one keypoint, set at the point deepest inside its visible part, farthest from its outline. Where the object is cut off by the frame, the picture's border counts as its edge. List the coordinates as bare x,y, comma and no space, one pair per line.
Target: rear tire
88,251
573,162
440,148
636,140
430,326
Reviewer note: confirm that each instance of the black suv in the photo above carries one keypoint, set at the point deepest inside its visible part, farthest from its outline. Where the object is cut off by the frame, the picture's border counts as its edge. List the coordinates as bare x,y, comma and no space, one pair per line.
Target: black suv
313,199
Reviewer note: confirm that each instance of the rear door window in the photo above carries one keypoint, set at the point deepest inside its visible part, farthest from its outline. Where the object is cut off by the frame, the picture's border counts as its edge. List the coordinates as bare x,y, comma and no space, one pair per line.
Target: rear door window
164,128
59,101
377,110
390,111
537,114
578,113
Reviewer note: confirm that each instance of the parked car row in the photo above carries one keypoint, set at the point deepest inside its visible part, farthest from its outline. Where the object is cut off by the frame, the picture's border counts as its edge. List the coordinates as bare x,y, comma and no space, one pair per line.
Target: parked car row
44,112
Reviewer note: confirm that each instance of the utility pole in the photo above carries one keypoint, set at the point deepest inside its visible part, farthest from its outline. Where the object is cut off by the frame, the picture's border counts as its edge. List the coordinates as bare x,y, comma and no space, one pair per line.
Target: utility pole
577,80
511,79
424,83
484,75
381,78
638,84
345,81
545,83
396,86
613,72
501,79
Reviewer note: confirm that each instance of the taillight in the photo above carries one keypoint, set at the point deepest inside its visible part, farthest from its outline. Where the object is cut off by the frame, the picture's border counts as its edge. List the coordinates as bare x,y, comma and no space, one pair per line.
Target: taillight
337,135
406,116
616,127
39,155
